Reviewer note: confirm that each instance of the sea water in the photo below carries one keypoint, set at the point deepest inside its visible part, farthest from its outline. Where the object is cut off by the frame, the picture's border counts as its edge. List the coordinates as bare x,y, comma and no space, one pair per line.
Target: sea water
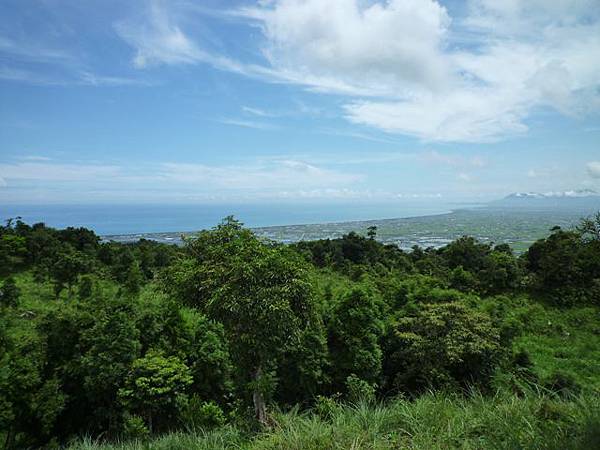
145,218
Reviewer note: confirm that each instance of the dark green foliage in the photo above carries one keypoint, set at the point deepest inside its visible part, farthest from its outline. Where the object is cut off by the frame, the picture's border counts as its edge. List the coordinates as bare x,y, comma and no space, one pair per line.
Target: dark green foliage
65,266
565,267
354,332
202,415
13,248
260,294
9,294
134,279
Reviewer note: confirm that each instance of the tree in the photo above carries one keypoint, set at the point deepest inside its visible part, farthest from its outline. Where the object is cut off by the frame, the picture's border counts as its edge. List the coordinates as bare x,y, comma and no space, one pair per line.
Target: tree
354,332
259,292
12,251
590,227
65,266
372,232
108,348
466,252
9,293
156,388
440,344
134,279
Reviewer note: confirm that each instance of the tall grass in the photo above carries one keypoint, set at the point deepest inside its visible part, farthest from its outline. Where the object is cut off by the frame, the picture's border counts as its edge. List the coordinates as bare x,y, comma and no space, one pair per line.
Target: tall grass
433,421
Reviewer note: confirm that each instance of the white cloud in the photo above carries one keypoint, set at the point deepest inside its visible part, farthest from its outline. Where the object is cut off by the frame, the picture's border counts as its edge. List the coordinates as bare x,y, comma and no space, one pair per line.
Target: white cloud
406,66
256,180
248,124
57,172
451,160
464,177
35,158
158,40
269,176
256,112
363,48
593,168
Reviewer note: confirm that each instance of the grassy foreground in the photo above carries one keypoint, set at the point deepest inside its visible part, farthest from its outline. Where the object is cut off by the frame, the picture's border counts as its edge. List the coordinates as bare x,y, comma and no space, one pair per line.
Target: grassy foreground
433,421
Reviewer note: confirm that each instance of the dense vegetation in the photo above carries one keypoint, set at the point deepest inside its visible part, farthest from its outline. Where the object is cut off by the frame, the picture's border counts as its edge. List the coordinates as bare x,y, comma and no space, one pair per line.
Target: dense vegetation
232,341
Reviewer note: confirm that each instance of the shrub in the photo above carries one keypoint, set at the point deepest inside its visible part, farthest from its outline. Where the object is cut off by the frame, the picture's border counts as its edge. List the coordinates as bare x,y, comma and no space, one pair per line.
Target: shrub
360,390
199,414
135,428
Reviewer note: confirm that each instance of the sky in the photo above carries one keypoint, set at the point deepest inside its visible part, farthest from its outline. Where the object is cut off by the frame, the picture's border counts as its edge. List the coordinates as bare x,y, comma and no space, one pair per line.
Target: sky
182,101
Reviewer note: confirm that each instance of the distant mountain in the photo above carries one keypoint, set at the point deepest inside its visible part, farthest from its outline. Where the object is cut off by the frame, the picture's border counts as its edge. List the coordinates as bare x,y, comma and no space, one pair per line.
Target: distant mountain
580,193
586,200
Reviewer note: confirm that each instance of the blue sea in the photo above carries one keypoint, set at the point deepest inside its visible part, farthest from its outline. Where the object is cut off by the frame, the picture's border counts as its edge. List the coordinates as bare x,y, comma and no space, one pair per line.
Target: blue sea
144,218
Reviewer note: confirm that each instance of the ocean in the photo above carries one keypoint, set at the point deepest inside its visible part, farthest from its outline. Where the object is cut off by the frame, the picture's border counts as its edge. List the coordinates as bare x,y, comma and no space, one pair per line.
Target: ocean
145,218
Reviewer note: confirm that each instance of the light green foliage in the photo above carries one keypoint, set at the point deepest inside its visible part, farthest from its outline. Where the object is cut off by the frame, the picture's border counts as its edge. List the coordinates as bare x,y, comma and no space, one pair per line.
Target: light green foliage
360,390
441,344
156,388
134,428
431,422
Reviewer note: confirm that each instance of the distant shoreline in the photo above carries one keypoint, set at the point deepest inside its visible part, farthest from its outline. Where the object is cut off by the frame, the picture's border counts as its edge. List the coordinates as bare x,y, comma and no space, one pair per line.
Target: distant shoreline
272,227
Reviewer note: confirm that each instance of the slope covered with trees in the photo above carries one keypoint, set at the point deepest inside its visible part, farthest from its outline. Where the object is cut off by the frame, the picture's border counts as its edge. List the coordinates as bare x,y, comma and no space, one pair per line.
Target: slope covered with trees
348,342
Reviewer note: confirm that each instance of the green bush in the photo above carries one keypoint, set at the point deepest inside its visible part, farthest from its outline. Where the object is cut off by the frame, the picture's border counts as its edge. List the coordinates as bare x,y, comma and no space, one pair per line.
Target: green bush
199,414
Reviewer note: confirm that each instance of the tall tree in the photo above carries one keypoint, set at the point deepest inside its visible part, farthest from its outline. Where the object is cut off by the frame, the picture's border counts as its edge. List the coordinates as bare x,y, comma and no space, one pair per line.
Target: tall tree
259,292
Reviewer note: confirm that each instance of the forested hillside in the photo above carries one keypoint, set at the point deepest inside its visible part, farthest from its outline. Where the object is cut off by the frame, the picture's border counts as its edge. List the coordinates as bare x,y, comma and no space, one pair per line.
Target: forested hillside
232,341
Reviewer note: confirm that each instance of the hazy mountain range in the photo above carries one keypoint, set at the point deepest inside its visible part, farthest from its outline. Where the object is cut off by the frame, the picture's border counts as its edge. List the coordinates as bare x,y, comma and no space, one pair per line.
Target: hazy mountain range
581,198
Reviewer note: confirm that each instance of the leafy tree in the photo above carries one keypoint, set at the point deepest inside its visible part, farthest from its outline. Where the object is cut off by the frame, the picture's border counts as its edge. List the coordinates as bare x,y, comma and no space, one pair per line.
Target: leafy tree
354,332
467,253
86,286
133,279
372,232
259,292
565,266
34,402
463,280
155,388
12,251
589,227
65,266
9,293
500,274
440,344
108,348
81,239
303,370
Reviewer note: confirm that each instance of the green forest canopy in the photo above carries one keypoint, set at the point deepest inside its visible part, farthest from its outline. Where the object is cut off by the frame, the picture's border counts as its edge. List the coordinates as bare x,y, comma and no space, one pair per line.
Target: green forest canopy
114,340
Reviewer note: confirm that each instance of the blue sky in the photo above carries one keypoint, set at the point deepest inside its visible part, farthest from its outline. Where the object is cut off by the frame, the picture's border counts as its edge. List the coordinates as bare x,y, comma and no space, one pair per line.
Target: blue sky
187,101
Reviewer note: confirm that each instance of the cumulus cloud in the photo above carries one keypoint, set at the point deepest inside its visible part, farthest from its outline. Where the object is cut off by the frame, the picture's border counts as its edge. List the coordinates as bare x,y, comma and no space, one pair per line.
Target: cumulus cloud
593,169
521,55
406,66
354,46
